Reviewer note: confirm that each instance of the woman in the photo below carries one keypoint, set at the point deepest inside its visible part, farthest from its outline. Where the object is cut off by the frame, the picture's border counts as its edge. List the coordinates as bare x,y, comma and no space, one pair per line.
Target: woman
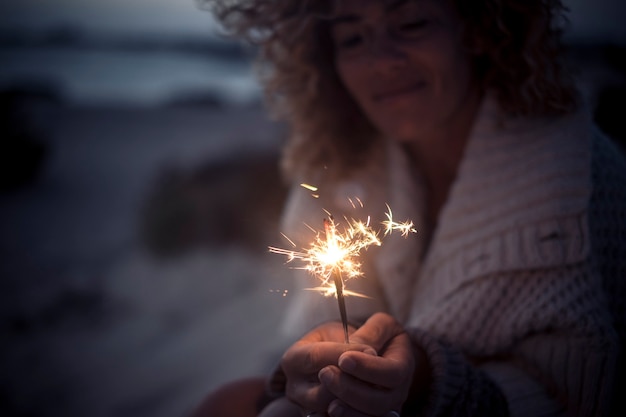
458,115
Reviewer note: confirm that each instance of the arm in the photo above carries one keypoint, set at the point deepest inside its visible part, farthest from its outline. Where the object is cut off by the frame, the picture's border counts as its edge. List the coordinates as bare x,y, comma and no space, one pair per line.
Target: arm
413,374
536,343
542,338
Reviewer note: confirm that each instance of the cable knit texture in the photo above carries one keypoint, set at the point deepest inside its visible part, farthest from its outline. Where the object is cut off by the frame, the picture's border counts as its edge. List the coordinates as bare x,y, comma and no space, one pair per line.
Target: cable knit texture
519,299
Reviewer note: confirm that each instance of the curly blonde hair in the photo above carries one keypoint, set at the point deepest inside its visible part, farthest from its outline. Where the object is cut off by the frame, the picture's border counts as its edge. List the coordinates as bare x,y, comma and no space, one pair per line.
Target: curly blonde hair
518,59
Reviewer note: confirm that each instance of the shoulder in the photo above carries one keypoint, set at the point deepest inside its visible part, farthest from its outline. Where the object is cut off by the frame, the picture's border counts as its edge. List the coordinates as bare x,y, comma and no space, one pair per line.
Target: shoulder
520,202
607,207
523,178
607,214
609,161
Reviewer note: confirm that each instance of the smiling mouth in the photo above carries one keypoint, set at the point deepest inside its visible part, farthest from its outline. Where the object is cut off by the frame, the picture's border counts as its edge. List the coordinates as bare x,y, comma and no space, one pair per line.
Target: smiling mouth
398,92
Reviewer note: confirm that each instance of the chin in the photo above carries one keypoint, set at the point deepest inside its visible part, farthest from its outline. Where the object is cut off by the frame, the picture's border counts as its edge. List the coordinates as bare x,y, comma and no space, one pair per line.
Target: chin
404,132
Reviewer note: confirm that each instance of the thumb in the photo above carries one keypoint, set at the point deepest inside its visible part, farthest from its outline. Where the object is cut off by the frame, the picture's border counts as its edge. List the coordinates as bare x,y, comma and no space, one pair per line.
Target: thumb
377,331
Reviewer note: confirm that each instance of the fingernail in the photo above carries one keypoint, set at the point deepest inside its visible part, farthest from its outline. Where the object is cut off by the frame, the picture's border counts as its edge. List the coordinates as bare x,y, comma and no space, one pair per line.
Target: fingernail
335,410
325,375
370,351
347,363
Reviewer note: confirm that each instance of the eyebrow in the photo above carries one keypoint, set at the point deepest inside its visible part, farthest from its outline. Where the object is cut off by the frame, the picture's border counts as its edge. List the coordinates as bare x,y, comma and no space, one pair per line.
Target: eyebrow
346,18
396,4
350,18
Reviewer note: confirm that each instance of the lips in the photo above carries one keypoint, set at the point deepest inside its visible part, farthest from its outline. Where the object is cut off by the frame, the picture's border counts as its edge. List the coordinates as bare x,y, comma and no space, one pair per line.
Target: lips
397,91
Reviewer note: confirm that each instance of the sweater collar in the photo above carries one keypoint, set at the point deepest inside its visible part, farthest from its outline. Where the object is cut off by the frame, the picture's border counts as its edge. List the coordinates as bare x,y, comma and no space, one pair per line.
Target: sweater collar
516,172
518,179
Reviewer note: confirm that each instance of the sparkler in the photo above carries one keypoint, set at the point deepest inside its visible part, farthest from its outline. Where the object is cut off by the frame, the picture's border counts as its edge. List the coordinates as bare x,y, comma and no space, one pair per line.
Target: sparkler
331,239
334,255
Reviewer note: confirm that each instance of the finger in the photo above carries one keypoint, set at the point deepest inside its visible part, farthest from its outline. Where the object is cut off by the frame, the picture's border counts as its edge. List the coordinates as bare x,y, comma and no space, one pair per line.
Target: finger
280,407
390,371
325,332
337,408
359,395
377,331
394,347
311,396
308,359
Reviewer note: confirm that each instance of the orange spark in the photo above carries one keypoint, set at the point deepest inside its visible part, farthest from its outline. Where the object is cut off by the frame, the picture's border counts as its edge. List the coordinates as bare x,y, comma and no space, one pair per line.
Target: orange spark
337,248
334,256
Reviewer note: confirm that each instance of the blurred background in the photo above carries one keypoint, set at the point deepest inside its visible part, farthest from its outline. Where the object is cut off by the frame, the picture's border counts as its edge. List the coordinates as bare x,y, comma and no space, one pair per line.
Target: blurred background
139,190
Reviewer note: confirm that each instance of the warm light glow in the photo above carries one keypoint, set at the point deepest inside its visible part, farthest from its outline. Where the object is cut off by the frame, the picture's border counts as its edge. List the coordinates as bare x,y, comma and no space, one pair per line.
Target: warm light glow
405,228
308,187
333,256
337,248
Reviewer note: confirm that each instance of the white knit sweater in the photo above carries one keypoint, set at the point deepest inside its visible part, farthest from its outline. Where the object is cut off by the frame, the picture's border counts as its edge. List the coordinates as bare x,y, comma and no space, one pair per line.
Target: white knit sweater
518,299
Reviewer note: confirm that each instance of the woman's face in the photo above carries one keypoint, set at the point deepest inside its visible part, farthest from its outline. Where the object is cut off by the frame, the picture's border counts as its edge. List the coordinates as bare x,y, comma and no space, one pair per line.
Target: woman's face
404,64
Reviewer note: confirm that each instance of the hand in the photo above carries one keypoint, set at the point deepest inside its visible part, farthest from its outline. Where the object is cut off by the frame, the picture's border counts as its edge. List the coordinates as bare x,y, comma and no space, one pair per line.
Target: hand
303,361
367,385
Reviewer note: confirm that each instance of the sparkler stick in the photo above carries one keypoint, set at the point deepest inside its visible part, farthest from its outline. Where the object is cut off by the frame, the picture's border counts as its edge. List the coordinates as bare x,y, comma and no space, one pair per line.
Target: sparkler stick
331,238
335,256
342,305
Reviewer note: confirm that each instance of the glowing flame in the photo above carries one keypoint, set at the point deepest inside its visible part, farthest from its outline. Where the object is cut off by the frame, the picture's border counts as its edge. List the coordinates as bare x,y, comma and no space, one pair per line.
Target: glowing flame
308,187
336,250
405,227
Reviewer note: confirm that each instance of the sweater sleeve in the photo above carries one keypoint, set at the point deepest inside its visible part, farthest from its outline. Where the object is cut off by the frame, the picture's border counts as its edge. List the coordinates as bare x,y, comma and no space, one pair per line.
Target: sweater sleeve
457,388
538,343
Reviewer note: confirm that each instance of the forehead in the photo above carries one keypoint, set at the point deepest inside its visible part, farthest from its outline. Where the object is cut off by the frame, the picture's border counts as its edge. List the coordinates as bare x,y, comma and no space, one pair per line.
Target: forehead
361,6
379,8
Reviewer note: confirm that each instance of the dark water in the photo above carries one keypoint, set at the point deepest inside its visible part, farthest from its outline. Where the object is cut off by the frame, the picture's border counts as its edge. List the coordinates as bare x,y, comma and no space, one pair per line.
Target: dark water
124,76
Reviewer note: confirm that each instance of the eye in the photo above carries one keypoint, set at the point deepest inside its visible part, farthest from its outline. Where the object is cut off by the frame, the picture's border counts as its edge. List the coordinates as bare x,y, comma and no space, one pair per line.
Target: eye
412,27
348,37
349,42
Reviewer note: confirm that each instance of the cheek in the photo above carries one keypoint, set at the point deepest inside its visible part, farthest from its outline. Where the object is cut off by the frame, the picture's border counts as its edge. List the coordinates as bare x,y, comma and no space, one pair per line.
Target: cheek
453,66
353,76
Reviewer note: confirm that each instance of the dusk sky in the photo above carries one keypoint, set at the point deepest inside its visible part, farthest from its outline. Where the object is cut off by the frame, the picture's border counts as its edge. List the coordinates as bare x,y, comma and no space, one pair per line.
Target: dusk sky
117,16
589,18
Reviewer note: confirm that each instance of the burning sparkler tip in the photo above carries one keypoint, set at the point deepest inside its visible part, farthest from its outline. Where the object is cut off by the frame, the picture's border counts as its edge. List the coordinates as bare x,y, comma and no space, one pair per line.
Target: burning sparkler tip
334,253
